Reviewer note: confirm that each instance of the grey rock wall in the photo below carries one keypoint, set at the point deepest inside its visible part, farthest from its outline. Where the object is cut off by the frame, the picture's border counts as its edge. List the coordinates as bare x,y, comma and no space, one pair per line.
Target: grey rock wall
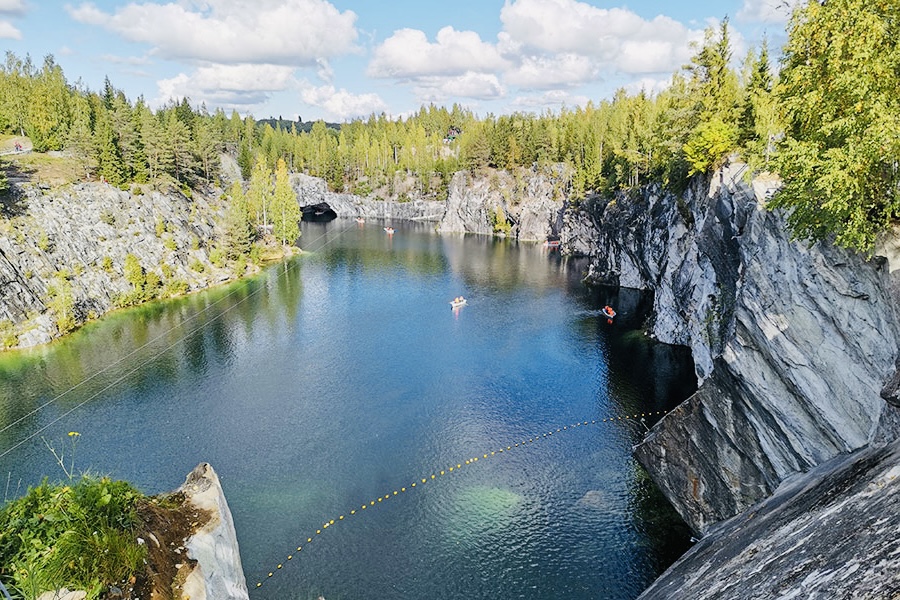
530,202
829,533
77,228
792,343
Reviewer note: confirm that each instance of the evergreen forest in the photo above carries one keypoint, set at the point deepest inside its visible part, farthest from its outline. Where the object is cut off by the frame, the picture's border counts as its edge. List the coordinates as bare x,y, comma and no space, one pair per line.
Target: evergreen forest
825,116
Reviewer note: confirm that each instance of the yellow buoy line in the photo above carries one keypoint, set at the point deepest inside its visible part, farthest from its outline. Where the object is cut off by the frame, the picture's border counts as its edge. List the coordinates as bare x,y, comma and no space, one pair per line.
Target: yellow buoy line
419,482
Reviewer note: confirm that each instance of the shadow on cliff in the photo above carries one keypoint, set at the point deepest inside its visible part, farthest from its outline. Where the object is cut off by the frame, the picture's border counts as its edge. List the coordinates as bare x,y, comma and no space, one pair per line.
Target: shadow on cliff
11,201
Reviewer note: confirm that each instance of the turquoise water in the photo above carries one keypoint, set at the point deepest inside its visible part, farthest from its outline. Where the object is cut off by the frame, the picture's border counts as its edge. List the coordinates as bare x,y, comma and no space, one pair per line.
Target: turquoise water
342,377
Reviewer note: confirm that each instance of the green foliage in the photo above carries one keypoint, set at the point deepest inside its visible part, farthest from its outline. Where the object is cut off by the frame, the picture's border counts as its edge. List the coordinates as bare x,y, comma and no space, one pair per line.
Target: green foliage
286,213
4,180
197,265
106,264
709,145
217,257
43,241
8,337
62,303
108,217
133,271
80,536
173,287
499,223
838,91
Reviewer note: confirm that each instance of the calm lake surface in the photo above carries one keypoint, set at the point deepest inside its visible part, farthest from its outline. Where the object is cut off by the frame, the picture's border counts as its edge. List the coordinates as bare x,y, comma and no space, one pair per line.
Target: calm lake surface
343,377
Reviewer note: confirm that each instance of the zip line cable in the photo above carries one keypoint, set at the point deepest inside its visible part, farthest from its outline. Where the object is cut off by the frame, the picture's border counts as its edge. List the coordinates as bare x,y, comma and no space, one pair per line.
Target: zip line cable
132,353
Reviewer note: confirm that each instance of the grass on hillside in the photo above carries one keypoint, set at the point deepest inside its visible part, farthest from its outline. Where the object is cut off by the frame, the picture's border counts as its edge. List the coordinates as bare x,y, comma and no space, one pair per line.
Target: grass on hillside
53,169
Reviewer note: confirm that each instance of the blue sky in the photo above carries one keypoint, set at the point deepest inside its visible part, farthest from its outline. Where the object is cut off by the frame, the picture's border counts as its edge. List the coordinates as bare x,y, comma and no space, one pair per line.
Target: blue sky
340,59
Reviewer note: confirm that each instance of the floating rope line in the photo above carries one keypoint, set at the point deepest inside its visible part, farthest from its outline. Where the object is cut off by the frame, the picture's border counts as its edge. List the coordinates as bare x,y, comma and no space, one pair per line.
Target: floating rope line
132,353
438,473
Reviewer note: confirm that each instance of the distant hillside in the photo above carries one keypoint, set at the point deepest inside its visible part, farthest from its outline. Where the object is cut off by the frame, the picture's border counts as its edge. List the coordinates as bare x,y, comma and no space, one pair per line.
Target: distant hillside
301,127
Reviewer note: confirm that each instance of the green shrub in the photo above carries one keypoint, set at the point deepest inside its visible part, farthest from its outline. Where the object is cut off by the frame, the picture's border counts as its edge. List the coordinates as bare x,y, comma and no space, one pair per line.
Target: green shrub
175,287
499,222
107,264
217,257
44,241
80,536
8,337
197,266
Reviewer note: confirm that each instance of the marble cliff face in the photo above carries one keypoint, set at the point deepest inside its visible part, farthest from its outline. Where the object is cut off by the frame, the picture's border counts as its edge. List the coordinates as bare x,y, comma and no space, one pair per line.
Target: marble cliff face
792,343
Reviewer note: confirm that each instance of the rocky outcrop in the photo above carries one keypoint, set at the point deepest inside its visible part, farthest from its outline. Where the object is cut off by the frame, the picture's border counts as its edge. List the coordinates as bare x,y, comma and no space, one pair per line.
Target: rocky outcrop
82,234
217,573
792,343
829,533
312,191
525,205
527,201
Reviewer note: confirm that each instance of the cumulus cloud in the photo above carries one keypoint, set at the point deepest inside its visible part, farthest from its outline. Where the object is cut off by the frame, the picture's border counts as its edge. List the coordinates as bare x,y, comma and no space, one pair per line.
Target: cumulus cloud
8,31
479,86
545,72
341,104
767,11
233,86
12,7
617,37
409,54
558,98
286,32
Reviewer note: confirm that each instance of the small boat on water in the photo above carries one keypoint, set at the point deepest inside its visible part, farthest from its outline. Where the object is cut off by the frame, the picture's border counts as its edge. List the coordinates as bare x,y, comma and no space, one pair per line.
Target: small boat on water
609,313
389,230
360,220
551,244
457,302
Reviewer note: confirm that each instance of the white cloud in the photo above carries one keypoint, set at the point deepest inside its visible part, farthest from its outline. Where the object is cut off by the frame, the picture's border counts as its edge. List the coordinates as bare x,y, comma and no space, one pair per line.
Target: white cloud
233,86
767,11
8,31
409,54
649,85
479,86
12,7
612,36
544,72
287,32
341,104
557,98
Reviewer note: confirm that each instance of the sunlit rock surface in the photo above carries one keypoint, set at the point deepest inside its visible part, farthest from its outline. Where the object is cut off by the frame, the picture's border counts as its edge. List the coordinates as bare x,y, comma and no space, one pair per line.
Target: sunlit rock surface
217,574
829,533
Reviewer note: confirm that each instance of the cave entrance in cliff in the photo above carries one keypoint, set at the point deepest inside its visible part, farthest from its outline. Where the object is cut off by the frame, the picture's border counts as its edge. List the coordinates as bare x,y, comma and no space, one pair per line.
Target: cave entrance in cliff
318,213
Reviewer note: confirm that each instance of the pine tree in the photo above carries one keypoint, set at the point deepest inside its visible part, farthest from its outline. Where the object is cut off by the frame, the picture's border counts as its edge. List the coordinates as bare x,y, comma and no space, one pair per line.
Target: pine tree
285,208
238,228
259,194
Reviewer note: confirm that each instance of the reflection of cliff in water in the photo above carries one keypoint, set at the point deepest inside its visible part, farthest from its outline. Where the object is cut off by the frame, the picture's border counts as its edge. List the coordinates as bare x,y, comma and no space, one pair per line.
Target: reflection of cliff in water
646,376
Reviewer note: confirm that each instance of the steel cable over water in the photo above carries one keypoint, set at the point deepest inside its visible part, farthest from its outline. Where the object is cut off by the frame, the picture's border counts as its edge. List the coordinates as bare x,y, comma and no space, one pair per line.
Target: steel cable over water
438,473
131,354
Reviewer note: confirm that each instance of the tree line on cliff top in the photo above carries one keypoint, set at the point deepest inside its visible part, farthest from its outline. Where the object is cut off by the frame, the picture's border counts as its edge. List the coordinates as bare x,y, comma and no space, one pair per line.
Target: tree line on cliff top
828,122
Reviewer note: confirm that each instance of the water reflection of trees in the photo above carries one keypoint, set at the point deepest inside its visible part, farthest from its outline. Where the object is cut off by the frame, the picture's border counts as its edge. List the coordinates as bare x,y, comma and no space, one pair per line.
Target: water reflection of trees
138,348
